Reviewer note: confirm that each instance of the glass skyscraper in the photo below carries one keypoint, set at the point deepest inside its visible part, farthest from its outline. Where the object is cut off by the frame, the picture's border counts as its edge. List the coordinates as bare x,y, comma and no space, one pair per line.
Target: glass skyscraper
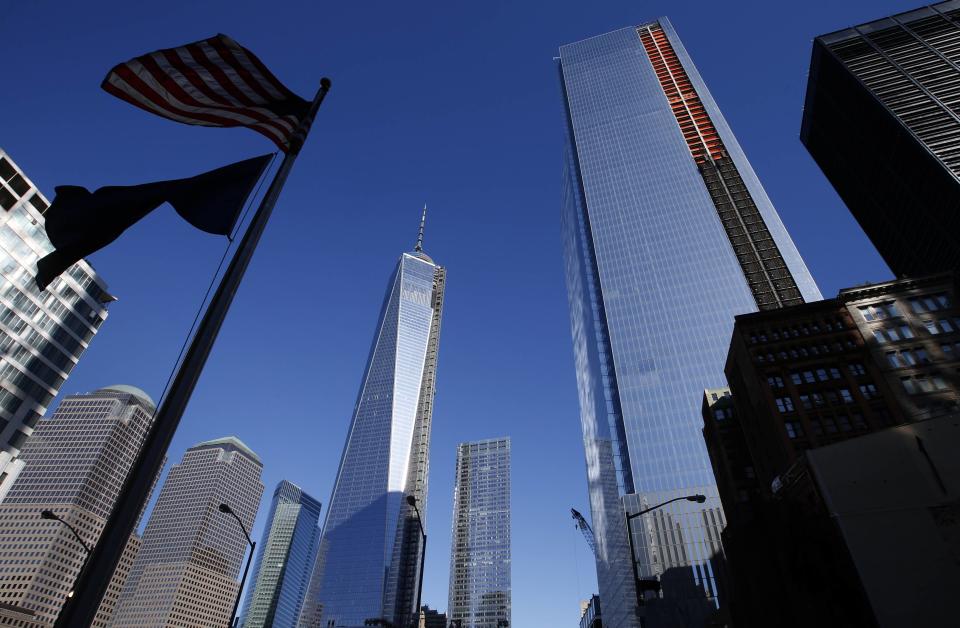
667,235
369,558
287,553
479,595
42,333
185,573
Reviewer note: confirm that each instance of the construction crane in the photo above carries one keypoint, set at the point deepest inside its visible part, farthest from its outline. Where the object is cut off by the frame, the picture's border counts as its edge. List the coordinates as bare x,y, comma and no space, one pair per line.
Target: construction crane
585,528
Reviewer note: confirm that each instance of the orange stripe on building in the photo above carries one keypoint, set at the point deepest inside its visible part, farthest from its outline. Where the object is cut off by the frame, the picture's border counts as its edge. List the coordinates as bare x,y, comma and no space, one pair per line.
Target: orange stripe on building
695,124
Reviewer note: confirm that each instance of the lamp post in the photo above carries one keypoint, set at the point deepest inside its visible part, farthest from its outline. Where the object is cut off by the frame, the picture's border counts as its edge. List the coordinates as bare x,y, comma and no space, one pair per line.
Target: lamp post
423,554
49,515
633,555
224,508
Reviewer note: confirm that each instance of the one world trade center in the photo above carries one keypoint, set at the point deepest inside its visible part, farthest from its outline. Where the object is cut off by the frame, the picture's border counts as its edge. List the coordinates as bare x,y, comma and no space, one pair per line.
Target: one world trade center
368,563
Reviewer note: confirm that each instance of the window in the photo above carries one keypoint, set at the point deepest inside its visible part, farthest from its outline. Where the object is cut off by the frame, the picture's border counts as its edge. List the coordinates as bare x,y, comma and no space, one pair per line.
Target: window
894,359
946,326
808,377
856,369
829,425
795,378
845,395
793,429
38,203
938,382
869,391
931,327
822,375
844,422
834,373
924,383
922,356
805,402
784,404
832,397
775,381
908,385
905,331
858,421
817,399
929,303
879,311
7,200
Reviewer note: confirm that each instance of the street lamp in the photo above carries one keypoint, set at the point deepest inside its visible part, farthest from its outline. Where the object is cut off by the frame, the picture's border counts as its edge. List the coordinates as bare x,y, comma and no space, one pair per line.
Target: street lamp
412,500
633,555
49,515
224,508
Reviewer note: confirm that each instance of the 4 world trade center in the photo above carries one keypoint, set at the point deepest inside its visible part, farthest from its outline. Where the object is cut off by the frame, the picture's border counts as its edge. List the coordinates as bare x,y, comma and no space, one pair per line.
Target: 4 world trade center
667,235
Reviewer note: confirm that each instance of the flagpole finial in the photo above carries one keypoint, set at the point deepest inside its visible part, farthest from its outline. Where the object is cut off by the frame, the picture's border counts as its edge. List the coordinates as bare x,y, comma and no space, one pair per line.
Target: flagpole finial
423,219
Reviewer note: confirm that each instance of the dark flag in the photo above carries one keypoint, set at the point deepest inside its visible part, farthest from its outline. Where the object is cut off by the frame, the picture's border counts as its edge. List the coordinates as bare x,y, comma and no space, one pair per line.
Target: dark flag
79,222
213,82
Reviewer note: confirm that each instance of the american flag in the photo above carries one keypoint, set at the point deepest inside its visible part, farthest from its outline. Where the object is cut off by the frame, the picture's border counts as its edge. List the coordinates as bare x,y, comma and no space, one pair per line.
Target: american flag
213,82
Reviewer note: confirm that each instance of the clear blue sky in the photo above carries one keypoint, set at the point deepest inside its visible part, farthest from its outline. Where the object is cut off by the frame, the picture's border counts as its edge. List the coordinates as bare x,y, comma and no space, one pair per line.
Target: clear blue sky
451,103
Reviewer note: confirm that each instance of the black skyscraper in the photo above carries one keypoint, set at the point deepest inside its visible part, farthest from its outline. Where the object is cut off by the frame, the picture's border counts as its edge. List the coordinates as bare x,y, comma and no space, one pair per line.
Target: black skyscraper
882,120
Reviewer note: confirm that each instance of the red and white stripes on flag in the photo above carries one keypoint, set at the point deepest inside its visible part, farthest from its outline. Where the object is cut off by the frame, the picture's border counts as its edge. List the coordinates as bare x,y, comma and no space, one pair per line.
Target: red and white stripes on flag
214,82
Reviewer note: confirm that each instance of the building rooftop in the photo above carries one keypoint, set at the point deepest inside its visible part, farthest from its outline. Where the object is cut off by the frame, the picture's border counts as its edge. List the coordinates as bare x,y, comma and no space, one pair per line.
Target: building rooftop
228,442
131,390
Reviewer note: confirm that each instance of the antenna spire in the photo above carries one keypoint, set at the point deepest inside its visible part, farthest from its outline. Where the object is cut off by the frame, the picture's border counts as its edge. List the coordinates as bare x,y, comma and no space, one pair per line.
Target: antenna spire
423,219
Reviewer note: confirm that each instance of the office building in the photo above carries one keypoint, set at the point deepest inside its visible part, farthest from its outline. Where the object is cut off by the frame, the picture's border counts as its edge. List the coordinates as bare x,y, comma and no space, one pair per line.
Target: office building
369,559
42,334
287,553
430,618
590,613
185,573
119,579
667,235
875,356
880,120
76,463
480,553
805,381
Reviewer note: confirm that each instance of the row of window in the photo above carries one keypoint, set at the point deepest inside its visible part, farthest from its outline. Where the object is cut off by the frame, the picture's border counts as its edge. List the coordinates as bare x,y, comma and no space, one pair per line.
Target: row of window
795,331
834,397
817,374
801,351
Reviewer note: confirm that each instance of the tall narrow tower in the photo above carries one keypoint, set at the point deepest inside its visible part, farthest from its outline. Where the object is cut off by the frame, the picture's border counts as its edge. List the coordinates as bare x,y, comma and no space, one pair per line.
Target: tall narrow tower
480,592
667,235
369,558
287,553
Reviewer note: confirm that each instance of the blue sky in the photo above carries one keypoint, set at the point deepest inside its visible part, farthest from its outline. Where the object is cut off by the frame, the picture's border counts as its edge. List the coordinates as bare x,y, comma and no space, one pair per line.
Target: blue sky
450,103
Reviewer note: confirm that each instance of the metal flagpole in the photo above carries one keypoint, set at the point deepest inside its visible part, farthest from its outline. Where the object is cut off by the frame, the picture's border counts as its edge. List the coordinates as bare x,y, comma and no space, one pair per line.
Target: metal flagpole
92,582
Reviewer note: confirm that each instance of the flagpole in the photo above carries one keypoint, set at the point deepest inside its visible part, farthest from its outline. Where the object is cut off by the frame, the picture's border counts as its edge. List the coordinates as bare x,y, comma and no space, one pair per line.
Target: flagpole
92,582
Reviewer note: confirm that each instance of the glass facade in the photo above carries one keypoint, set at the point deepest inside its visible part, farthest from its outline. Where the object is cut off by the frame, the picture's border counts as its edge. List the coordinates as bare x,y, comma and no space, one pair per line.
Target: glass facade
42,333
369,558
76,462
667,235
480,555
288,551
185,573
